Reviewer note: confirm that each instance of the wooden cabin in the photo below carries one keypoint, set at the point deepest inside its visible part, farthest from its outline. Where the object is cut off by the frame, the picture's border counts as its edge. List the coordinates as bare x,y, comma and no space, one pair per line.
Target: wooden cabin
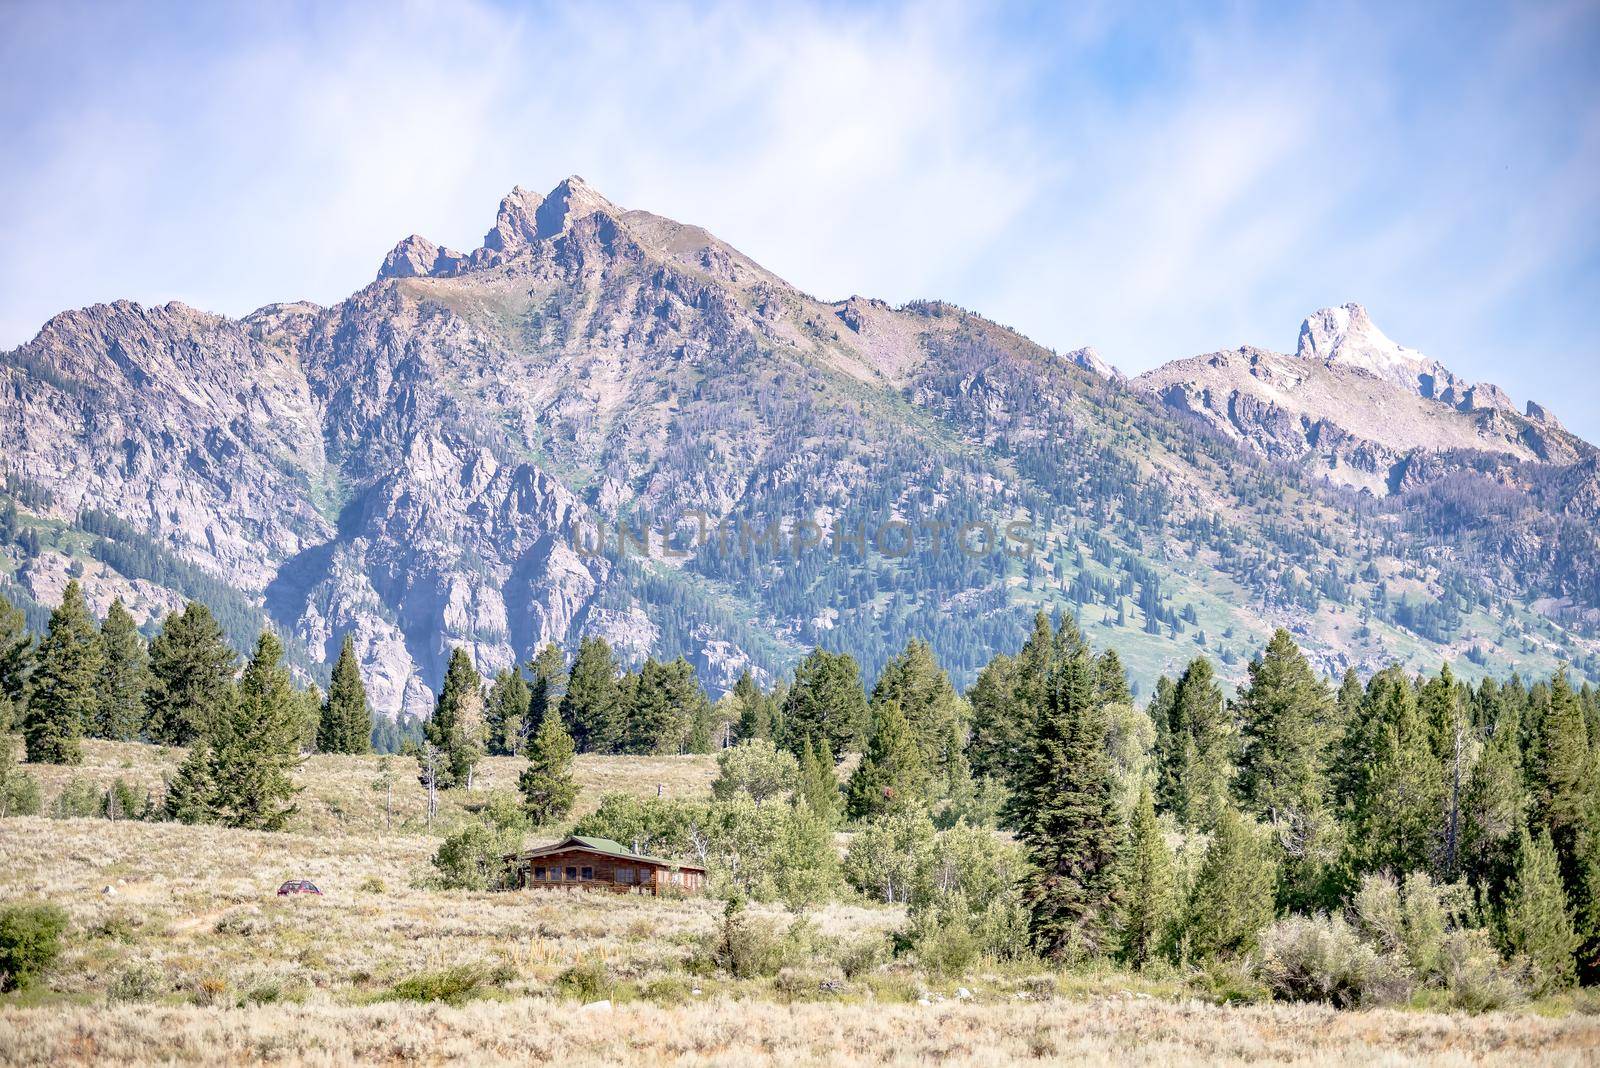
579,863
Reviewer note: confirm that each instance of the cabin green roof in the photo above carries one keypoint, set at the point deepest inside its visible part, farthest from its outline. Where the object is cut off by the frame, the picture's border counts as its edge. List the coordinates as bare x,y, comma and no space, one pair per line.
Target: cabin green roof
606,847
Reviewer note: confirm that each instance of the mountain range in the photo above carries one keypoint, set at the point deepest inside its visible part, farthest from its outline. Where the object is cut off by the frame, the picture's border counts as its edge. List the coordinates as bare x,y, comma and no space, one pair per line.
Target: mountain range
444,458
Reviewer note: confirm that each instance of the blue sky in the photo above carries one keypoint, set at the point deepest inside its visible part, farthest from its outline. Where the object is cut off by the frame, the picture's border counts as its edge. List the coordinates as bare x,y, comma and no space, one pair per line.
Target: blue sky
1155,182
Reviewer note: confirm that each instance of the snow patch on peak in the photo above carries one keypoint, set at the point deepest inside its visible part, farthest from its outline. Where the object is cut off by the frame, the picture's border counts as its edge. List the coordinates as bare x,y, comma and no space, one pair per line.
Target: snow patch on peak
1346,336
1089,359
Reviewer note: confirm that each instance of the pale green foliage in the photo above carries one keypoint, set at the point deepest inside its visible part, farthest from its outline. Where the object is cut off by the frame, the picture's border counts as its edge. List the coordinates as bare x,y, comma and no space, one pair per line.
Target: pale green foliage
474,857
888,858
756,769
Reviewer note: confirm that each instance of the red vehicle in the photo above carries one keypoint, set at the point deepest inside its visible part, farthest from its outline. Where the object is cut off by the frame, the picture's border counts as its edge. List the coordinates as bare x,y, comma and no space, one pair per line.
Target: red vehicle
298,886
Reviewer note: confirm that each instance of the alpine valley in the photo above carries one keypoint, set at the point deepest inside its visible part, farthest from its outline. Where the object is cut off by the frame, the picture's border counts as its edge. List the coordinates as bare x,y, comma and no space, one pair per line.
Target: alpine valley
426,465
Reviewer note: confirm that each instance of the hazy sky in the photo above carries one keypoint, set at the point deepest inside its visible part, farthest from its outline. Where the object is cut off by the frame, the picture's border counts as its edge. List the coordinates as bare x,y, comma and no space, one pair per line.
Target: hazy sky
1155,184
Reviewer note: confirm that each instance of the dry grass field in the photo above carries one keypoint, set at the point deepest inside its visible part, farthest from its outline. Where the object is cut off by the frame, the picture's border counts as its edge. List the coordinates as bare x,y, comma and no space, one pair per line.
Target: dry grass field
338,792
192,958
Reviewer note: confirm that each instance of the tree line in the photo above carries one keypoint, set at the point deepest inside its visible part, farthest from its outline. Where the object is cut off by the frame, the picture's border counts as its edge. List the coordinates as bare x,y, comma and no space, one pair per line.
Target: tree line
246,725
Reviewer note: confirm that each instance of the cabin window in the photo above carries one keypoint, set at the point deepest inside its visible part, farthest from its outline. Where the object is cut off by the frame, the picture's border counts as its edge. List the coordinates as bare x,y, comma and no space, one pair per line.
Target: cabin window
677,878
588,873
538,873
645,875
572,874
624,875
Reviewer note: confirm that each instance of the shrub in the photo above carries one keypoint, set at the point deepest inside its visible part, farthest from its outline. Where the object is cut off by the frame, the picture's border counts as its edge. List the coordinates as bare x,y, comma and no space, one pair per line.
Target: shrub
77,800
30,941
1322,958
863,955
122,802
19,791
453,986
372,885
743,948
141,982
474,857
590,981
1478,981
668,990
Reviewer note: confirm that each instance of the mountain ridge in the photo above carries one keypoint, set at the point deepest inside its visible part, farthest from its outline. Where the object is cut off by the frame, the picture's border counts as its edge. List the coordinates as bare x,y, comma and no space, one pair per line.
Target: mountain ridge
414,466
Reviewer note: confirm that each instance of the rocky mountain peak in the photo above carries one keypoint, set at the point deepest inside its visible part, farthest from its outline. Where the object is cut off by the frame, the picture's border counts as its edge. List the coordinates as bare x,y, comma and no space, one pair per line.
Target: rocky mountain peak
1346,336
516,223
1089,359
415,257
571,200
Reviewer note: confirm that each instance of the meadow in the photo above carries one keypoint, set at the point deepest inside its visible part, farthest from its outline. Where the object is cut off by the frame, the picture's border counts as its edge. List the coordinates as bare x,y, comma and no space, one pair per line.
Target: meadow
179,951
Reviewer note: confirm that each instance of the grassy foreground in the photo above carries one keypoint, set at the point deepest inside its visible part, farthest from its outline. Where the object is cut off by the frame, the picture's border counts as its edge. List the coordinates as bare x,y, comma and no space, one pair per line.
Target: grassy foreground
192,958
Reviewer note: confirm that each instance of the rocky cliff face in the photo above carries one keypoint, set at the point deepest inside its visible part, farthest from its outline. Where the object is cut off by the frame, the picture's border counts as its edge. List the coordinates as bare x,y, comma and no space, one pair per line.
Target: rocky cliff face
445,458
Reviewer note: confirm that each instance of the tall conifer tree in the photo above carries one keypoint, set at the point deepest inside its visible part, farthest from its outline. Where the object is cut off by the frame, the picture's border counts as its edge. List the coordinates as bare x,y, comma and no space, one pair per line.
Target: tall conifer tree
547,785
1062,809
1147,888
124,677
891,776
346,721
191,676
592,706
63,693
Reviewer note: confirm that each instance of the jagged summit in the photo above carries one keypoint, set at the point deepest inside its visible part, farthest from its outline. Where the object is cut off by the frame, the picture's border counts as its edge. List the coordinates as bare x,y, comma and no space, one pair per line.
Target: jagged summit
524,217
1346,338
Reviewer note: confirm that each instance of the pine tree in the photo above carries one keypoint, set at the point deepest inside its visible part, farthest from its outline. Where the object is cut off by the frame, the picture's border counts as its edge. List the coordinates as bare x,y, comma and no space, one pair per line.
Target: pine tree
16,655
891,776
1231,900
63,693
1111,680
510,700
191,676
1283,711
1559,767
1200,745
592,706
756,716
1147,886
1440,708
256,744
666,703
547,785
818,785
458,727
192,793
345,724
826,703
1537,923
997,724
1062,809
1396,794
1493,805
930,704
124,677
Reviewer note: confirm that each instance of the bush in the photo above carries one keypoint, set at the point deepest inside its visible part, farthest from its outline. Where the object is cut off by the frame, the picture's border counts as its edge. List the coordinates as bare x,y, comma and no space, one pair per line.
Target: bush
372,885
590,981
30,941
1478,981
77,800
1322,958
474,858
453,986
743,948
19,792
142,982
863,955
